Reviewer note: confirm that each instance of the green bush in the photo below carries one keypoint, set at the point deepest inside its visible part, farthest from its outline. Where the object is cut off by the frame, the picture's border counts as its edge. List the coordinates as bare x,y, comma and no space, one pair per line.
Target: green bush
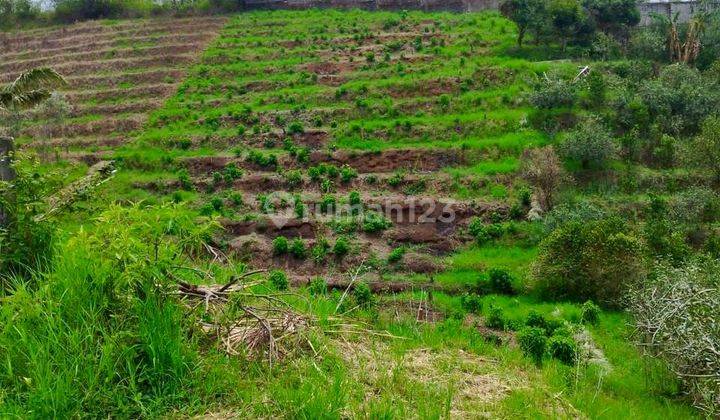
592,260
295,127
342,247
319,250
374,222
535,319
500,281
591,144
280,245
347,174
396,255
297,248
590,313
533,343
328,204
279,280
495,319
363,295
471,302
563,348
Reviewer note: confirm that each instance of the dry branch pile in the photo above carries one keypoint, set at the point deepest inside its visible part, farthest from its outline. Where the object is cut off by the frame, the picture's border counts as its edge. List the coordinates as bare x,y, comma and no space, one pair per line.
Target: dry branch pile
677,319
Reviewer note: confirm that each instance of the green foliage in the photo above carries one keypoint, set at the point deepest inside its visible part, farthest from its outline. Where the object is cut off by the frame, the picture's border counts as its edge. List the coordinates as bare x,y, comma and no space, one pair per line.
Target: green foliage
347,174
318,287
262,160
704,150
319,250
374,223
26,235
280,245
553,91
533,342
528,15
279,280
342,247
483,232
590,313
295,127
495,319
591,144
471,302
500,281
594,260
562,348
297,249
396,255
363,295
99,334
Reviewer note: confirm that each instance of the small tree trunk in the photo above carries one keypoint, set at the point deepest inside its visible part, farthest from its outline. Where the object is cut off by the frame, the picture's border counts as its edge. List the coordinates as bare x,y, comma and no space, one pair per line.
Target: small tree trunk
7,173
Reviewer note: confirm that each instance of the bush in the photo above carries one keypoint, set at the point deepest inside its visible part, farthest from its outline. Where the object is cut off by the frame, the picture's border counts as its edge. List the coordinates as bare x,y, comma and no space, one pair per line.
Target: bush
495,319
590,313
295,127
279,280
471,302
535,319
347,174
363,295
374,222
533,343
396,255
280,245
26,240
563,348
320,250
542,169
328,204
594,260
342,247
553,92
318,287
297,248
500,281
591,144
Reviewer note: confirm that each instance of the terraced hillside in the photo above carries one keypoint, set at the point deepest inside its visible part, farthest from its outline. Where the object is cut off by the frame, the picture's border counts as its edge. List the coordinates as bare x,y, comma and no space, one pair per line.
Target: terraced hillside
413,120
117,72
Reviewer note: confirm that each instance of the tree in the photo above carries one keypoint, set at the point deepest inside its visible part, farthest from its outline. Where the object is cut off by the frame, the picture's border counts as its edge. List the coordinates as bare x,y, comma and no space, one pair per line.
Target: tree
704,150
591,144
594,260
527,14
541,168
613,17
567,18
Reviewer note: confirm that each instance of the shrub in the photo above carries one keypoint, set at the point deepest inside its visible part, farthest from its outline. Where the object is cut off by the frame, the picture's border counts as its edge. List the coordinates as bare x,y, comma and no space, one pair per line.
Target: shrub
320,250
280,245
563,348
495,319
396,255
363,295
279,280
533,343
594,260
295,127
328,204
591,144
293,178
300,209
297,248
553,92
535,319
590,313
374,222
500,281
483,232
542,169
236,198
184,179
318,287
347,174
342,247
471,302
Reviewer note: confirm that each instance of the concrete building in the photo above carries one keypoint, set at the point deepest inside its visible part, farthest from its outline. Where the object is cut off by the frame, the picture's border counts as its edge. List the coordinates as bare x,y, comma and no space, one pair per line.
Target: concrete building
669,8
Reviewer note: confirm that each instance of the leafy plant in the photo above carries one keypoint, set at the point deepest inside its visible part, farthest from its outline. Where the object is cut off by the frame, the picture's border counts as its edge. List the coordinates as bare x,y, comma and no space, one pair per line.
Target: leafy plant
533,342
280,245
279,280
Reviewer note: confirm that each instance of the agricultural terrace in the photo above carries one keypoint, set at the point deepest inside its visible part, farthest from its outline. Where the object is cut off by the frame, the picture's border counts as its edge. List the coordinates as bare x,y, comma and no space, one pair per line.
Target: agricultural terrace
373,167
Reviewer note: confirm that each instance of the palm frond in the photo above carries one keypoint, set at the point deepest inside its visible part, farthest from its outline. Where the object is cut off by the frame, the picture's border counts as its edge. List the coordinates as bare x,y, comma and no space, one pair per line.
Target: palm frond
31,99
36,79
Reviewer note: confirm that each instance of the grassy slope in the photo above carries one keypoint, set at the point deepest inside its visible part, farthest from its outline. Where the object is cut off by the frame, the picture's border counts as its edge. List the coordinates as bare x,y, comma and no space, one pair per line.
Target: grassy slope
374,377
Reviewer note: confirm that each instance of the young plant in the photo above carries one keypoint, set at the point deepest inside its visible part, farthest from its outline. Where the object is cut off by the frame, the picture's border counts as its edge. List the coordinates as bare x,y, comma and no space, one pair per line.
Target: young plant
297,249
280,245
279,280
